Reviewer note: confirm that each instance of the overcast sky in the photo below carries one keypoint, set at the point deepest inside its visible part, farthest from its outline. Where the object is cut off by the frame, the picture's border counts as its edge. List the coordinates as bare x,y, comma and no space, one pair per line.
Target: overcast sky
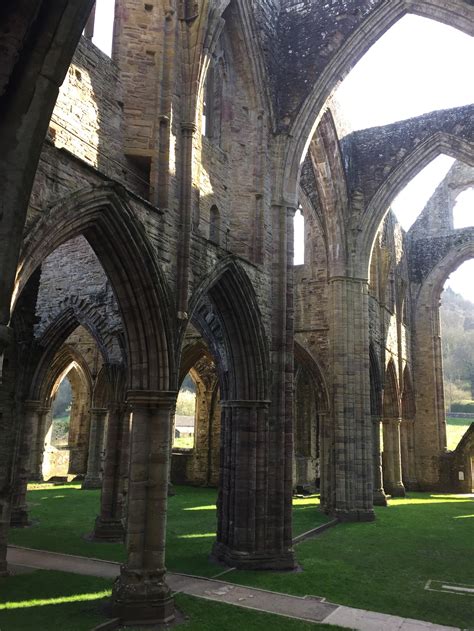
418,66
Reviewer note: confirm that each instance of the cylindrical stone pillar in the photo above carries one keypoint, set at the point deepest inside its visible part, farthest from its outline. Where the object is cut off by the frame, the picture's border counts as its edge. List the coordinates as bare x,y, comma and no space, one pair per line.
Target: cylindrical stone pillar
19,509
351,414
140,593
380,499
392,458
93,479
108,525
407,434
246,537
37,448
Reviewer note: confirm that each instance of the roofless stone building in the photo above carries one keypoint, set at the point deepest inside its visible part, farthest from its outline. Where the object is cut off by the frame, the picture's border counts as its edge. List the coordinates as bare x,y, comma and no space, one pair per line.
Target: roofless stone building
146,232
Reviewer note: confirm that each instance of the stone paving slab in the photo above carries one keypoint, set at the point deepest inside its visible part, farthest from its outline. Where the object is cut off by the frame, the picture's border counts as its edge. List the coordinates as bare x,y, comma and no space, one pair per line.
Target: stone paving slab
309,608
372,621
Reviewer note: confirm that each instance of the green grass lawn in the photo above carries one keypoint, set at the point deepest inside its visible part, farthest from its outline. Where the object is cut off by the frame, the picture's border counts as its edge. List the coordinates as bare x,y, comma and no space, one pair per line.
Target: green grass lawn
455,430
382,566
44,600
62,515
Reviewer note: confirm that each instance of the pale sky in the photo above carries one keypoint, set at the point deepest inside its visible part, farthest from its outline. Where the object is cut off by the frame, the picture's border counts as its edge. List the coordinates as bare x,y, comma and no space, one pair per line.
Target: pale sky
418,66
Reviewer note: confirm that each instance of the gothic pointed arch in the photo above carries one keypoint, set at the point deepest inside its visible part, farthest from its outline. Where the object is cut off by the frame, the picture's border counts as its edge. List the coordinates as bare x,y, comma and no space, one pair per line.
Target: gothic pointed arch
376,383
420,156
47,379
364,28
225,310
74,311
408,396
103,215
391,398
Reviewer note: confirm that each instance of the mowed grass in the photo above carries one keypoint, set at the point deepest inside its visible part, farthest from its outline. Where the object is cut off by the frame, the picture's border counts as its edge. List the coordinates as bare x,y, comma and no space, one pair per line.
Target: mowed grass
63,515
385,565
381,566
55,600
455,430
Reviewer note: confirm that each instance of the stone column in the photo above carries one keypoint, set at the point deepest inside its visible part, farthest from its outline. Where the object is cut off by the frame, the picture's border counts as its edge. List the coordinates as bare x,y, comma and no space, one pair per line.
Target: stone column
380,499
125,464
349,346
19,510
93,479
140,593
108,525
245,536
392,457
37,448
407,436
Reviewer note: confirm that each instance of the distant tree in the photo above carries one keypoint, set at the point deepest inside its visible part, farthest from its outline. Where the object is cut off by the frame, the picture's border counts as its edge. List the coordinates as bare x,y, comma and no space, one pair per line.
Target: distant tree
62,402
457,332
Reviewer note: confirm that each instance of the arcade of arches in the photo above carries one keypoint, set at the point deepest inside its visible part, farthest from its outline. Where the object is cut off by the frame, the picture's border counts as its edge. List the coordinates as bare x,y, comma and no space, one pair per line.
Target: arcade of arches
146,233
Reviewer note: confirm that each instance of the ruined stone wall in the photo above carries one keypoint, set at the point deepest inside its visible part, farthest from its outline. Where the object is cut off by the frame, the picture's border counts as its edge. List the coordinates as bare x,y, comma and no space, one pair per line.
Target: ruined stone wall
72,277
437,216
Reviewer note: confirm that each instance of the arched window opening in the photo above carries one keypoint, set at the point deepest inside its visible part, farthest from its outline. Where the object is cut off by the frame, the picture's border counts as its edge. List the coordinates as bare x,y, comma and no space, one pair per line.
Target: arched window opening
212,102
185,417
398,78
214,224
299,237
61,413
457,339
463,210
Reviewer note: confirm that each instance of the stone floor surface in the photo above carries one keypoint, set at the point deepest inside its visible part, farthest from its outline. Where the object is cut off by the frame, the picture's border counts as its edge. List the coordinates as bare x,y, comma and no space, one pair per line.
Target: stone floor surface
309,608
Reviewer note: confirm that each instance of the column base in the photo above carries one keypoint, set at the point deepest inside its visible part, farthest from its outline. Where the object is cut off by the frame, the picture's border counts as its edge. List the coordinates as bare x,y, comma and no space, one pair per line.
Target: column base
354,515
19,518
411,485
398,490
111,530
91,483
282,561
36,477
380,499
142,597
3,561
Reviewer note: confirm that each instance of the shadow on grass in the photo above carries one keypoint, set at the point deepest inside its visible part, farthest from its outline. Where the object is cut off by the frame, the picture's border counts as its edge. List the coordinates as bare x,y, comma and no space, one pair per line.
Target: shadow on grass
48,600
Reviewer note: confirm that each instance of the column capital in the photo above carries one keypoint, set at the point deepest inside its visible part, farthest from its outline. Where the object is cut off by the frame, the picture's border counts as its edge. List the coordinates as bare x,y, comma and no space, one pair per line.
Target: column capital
31,405
188,128
151,398
392,421
99,410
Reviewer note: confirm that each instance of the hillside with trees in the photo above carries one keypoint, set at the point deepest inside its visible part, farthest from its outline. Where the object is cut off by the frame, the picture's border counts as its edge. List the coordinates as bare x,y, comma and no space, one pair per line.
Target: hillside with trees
457,332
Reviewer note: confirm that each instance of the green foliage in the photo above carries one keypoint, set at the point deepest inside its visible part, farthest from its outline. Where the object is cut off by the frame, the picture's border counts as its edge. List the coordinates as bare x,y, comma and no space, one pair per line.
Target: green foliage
62,402
464,408
457,315
186,403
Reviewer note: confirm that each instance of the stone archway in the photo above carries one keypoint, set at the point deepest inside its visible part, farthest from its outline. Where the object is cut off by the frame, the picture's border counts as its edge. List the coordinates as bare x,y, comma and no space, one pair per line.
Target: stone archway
430,425
392,464
254,505
322,72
